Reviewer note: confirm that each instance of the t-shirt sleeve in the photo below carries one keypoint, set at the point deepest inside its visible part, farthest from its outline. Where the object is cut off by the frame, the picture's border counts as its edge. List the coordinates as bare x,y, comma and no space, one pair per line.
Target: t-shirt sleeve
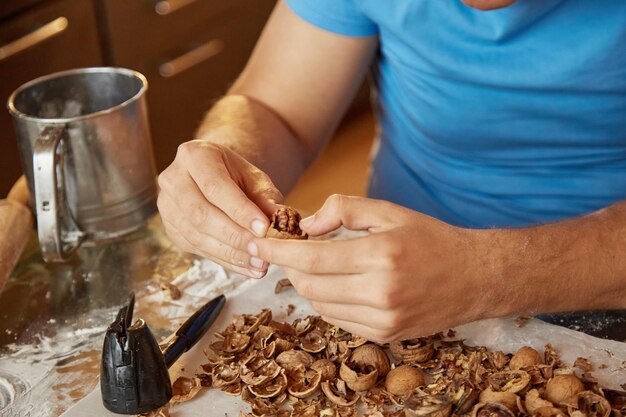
339,16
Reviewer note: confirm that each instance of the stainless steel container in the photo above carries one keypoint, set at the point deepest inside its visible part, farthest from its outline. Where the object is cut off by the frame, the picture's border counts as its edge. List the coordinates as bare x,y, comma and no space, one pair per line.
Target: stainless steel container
85,149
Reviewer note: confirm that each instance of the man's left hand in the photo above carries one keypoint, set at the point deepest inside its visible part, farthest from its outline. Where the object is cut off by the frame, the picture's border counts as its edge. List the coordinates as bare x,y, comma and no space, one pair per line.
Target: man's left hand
410,275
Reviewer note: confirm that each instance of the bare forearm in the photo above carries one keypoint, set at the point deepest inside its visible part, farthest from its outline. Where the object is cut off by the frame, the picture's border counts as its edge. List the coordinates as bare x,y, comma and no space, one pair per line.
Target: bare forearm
577,264
259,135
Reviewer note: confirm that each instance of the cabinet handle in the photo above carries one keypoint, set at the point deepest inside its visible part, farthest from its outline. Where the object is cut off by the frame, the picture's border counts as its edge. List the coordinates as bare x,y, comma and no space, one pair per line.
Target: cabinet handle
33,38
194,57
165,7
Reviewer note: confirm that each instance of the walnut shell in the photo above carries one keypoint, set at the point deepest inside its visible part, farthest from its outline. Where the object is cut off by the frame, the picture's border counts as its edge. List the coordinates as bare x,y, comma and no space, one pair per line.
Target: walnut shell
491,410
414,350
236,342
465,398
356,341
184,389
271,388
357,381
337,392
314,341
525,356
616,398
224,374
593,405
512,381
325,367
401,381
533,401
306,385
290,359
258,370
549,412
428,406
563,390
371,355
508,399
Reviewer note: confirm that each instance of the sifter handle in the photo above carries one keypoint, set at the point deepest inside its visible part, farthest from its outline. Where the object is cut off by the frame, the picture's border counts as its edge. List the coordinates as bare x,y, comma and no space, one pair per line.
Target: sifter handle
48,206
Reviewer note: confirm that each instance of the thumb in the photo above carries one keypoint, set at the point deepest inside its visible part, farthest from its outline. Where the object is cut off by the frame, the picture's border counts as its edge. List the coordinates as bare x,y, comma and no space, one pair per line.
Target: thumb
261,191
354,213
268,200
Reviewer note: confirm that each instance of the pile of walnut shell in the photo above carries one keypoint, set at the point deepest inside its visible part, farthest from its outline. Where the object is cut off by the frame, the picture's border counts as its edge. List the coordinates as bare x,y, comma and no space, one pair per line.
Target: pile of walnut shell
312,368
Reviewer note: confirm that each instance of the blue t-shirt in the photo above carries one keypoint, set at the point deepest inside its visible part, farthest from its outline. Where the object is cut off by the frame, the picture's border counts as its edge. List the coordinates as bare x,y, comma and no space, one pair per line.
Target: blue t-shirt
503,118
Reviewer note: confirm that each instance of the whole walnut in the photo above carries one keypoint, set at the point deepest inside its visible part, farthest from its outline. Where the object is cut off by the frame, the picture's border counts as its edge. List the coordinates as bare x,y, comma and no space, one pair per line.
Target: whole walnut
563,389
525,356
403,380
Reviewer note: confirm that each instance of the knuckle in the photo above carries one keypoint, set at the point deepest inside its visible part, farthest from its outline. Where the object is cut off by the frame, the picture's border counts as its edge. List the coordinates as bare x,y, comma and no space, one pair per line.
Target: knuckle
182,151
164,179
197,215
337,201
392,255
387,298
304,288
209,188
235,238
235,256
240,212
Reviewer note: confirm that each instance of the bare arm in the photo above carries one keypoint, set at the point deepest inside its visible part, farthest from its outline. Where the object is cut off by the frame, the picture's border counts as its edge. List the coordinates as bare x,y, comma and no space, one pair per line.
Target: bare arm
577,264
286,104
221,188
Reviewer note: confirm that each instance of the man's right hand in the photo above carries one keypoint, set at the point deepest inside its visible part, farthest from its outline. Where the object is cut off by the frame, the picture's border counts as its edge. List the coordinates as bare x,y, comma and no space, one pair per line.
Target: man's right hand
213,202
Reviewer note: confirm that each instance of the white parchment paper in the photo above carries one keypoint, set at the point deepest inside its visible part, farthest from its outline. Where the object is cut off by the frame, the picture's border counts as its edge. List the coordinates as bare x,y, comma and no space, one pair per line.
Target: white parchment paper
250,296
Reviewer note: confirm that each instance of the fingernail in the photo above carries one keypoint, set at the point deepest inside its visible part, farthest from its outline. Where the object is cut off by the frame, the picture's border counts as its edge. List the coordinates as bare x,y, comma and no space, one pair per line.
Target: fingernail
306,222
253,249
258,227
256,262
256,274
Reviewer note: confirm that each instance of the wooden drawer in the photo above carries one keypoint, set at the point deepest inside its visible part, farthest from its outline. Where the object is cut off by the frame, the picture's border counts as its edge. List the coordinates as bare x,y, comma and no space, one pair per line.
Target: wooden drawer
136,30
54,36
186,76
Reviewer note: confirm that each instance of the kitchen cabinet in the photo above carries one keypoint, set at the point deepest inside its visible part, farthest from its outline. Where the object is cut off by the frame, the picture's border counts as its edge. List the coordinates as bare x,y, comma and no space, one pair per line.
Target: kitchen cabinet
50,36
190,51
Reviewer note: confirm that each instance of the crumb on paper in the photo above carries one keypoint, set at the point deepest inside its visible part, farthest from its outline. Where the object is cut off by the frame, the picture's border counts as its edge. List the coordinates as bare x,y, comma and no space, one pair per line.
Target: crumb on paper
290,309
623,385
583,364
451,333
171,291
281,285
603,366
521,321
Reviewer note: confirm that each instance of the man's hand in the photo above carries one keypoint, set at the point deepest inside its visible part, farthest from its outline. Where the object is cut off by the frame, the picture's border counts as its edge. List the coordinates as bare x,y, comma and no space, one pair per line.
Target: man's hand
413,275
213,202
407,277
